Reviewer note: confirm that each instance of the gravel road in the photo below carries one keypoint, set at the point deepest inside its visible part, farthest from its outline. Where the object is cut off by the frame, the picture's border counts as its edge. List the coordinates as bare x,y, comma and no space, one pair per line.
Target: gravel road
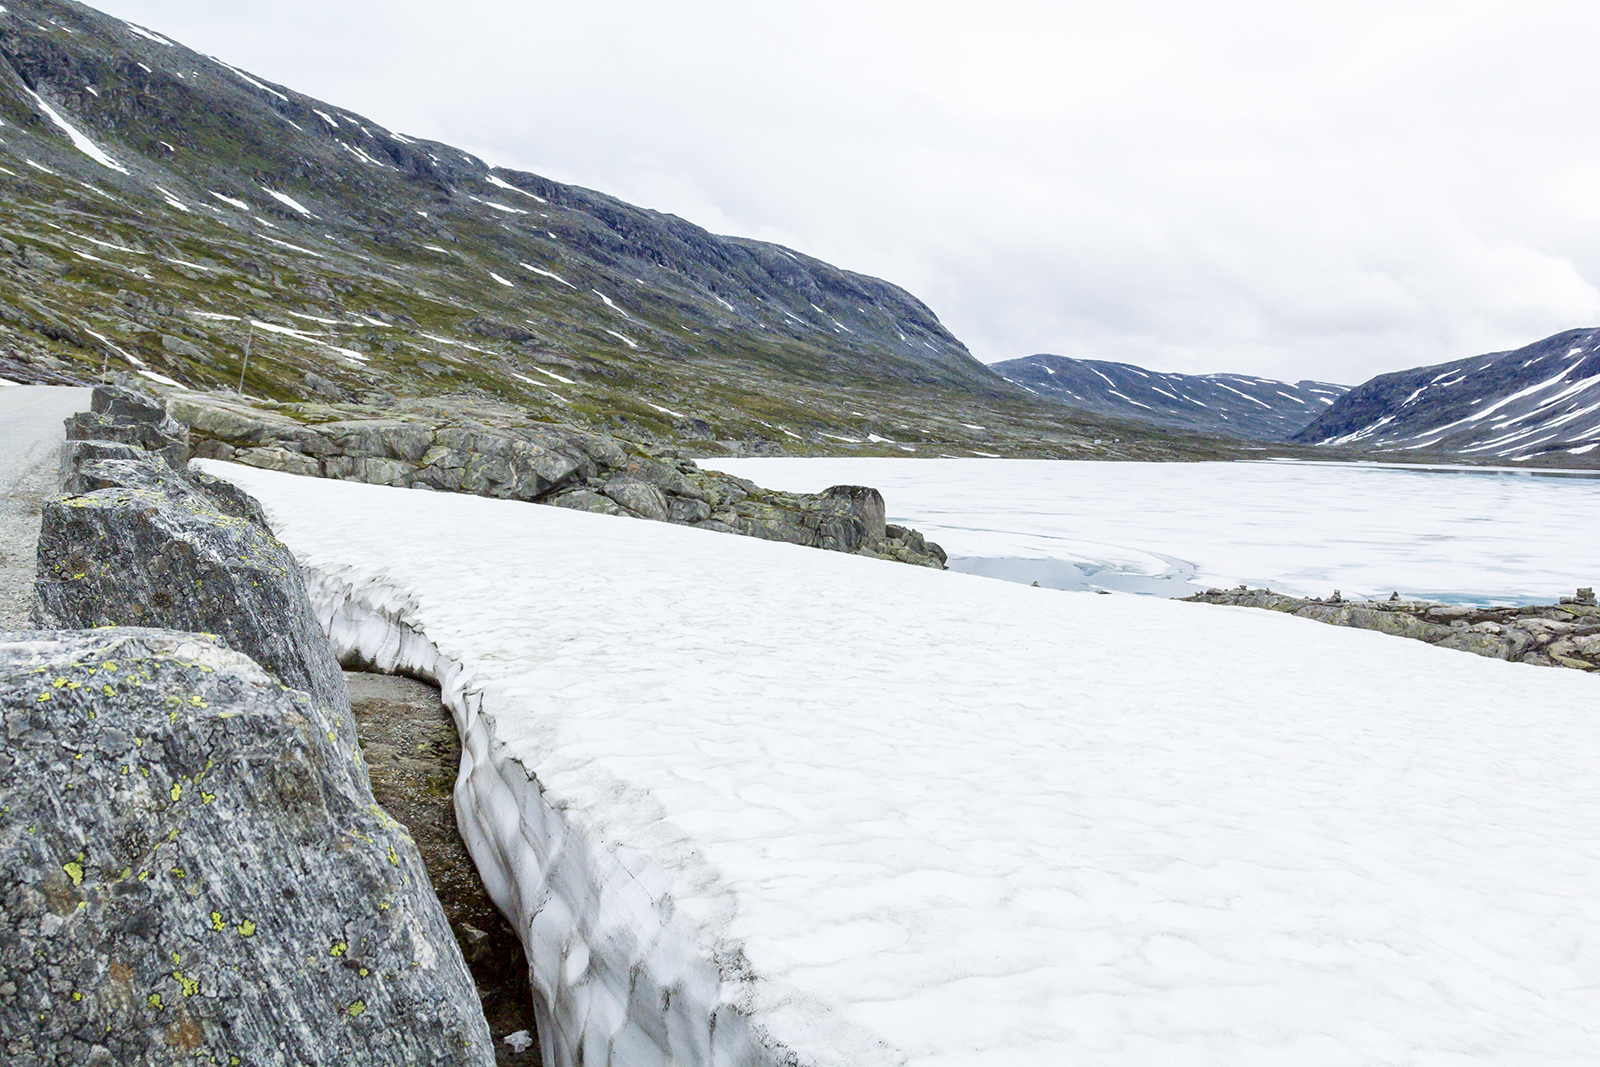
30,437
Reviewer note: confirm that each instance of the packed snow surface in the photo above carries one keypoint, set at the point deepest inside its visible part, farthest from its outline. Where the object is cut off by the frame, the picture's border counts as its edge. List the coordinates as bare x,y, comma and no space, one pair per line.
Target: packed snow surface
755,803
1176,528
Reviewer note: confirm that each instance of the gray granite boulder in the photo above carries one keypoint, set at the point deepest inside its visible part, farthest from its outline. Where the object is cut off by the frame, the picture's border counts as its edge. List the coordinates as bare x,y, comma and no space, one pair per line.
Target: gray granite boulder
161,552
131,418
74,454
640,498
193,870
92,469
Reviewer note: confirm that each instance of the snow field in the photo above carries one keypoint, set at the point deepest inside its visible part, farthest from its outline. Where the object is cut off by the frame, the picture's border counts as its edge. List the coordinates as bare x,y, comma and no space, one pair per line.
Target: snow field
811,808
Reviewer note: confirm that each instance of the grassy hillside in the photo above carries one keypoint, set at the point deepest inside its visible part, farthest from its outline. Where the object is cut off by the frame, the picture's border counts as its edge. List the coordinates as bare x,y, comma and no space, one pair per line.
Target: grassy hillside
167,214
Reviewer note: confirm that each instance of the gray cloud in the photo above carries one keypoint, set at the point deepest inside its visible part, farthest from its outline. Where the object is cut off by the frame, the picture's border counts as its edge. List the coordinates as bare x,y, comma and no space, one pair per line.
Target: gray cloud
1229,186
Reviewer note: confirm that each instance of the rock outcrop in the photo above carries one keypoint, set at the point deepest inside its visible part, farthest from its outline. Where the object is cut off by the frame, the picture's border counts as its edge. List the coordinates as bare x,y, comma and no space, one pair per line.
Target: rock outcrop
1560,635
194,870
480,449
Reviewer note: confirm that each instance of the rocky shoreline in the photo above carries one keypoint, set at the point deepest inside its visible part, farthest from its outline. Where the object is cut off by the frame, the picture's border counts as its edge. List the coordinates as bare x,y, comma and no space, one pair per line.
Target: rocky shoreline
488,449
1565,634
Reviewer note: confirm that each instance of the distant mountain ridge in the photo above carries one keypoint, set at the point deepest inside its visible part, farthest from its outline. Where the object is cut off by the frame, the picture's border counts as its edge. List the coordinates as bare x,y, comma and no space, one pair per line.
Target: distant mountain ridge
1229,405
1542,401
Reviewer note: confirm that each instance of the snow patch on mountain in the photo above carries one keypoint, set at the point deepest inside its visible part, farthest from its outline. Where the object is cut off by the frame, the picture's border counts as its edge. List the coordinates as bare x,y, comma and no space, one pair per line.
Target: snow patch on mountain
1538,401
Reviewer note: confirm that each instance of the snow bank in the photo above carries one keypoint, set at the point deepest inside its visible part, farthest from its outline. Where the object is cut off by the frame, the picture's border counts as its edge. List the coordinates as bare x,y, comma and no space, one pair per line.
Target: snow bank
750,803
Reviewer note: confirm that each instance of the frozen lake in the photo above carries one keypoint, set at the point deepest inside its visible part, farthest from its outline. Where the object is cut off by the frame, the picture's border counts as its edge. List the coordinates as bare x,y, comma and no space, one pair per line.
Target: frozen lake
1169,529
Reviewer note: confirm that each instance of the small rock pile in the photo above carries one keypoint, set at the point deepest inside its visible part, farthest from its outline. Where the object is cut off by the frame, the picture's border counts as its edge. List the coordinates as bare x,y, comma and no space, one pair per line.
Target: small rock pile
467,447
1556,635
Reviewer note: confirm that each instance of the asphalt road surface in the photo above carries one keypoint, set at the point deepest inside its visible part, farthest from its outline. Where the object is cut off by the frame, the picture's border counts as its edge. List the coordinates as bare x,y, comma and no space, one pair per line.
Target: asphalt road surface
30,441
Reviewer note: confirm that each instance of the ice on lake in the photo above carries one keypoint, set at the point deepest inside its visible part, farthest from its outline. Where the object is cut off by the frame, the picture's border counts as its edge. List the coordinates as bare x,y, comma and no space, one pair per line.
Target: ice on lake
754,803
1172,529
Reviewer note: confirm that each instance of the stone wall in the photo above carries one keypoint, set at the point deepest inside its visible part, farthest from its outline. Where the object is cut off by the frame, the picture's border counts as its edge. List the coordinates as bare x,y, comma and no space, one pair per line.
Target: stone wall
192,864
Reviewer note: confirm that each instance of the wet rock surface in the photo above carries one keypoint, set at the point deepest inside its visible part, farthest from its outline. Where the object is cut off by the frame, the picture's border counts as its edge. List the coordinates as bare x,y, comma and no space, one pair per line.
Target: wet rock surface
1566,634
412,755
192,869
460,447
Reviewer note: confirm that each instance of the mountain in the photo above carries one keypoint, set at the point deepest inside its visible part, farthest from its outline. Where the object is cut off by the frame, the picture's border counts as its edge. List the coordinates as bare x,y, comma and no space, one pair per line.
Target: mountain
1230,405
167,214
1541,402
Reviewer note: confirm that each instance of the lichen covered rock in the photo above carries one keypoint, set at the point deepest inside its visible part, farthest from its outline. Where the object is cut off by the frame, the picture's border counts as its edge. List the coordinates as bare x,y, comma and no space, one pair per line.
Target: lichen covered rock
155,550
192,869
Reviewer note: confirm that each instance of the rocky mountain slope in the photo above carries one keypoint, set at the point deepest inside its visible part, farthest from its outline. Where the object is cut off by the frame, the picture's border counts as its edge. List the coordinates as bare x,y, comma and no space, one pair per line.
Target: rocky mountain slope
1539,403
164,213
1229,405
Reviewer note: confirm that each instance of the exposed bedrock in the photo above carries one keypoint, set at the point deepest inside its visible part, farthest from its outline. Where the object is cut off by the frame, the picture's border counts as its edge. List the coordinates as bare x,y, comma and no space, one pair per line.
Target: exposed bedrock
461,449
1555,635
192,869
182,551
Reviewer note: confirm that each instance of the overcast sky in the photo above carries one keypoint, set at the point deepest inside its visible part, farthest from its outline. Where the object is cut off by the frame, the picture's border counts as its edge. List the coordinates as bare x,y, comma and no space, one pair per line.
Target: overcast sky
1293,190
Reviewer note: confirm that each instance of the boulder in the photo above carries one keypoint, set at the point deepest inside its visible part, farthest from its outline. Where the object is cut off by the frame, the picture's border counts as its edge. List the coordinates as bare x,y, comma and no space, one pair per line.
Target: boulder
74,454
132,418
179,347
862,503
493,463
118,402
640,498
195,871
89,426
496,330
586,500
687,511
165,554
99,465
